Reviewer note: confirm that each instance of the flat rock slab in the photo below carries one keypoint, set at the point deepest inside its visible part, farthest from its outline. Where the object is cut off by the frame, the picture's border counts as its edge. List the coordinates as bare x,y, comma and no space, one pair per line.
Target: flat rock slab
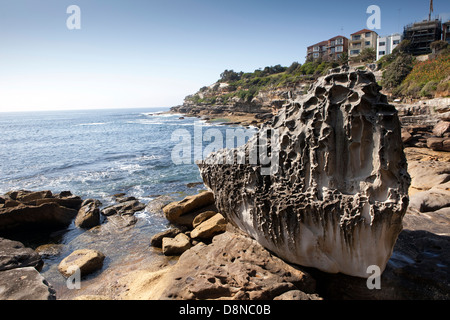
24,284
233,266
86,260
14,254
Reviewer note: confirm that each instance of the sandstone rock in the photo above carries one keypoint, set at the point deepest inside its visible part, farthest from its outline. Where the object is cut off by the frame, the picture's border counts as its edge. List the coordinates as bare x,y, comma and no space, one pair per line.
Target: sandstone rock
48,215
175,209
336,197
24,284
431,200
124,208
121,221
156,240
92,297
28,196
50,250
441,127
297,295
88,216
176,246
202,217
95,201
427,174
232,267
14,254
86,260
210,227
72,203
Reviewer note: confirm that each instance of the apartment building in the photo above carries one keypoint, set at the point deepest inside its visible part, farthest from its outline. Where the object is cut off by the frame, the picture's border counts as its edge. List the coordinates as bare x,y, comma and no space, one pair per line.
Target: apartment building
387,44
317,51
360,40
328,50
336,47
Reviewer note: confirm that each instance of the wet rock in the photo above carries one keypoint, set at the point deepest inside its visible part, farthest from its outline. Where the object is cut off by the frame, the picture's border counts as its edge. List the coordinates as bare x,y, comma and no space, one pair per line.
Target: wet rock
121,221
176,246
29,196
50,250
14,254
335,197
210,227
176,209
124,208
48,215
86,260
25,284
88,216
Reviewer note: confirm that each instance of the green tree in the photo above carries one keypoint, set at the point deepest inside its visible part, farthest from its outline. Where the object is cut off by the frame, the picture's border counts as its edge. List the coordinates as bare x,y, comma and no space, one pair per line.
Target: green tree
343,58
293,67
397,71
368,55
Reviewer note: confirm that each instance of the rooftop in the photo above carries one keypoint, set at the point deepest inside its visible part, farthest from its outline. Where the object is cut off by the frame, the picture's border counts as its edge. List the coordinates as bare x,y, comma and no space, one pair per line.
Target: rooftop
362,31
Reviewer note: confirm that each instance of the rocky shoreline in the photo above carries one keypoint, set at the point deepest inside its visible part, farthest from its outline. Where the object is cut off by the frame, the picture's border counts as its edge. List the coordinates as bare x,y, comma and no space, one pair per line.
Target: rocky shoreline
203,254
221,262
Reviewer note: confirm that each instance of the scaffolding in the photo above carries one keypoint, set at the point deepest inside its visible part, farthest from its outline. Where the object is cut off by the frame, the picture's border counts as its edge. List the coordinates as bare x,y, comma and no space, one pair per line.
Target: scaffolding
422,34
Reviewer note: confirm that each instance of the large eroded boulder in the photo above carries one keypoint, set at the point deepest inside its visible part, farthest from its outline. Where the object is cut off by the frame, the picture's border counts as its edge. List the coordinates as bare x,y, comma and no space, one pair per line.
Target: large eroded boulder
335,197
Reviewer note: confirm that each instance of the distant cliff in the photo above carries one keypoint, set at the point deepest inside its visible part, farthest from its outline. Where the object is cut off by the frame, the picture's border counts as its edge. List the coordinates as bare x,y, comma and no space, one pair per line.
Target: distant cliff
247,98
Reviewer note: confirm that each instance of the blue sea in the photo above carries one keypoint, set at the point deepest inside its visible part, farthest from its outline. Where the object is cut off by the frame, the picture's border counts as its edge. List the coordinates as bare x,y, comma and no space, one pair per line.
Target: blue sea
96,154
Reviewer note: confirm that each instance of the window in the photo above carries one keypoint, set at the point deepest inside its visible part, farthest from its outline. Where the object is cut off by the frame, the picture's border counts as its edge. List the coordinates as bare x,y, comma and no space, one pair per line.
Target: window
331,43
381,53
315,55
316,49
339,48
331,50
338,56
396,42
368,34
354,52
339,41
382,44
367,43
358,37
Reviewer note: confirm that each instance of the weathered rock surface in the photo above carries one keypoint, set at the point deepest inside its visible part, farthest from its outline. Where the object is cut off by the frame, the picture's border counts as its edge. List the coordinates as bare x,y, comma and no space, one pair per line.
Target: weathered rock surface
175,209
47,215
24,284
177,245
156,240
19,273
86,260
337,200
14,254
233,266
210,227
88,216
129,207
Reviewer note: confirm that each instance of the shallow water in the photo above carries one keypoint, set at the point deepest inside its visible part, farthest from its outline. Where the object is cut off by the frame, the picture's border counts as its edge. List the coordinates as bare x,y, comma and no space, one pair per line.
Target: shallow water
96,154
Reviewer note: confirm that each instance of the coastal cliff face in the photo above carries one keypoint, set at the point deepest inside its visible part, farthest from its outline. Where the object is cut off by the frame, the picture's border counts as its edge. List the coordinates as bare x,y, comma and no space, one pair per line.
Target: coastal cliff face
340,190
222,100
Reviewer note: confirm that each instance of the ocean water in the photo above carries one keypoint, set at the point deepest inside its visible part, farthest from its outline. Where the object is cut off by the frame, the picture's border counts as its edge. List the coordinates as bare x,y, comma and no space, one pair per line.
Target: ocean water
96,154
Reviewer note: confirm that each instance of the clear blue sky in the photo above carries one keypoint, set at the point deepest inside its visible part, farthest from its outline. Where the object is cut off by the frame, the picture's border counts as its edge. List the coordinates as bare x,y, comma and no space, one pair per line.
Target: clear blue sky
147,53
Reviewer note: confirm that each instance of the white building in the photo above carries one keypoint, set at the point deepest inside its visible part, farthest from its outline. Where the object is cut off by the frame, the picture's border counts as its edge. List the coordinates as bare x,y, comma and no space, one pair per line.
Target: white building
387,44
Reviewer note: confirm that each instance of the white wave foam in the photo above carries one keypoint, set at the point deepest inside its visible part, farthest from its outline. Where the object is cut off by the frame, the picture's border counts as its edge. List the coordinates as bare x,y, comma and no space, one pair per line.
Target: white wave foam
92,124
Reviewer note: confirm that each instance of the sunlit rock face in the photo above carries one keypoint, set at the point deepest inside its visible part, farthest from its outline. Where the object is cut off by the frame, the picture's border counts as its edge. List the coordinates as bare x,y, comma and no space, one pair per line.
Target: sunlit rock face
337,193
